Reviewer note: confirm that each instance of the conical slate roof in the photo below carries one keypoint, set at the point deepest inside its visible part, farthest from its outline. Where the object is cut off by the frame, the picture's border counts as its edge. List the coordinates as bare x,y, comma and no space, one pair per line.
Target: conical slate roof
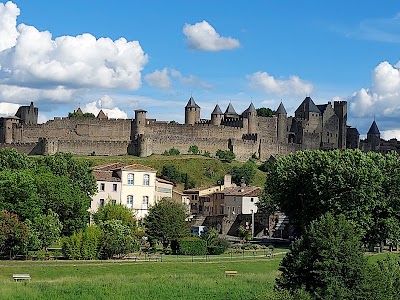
230,110
308,105
101,115
250,109
281,110
373,129
217,110
191,103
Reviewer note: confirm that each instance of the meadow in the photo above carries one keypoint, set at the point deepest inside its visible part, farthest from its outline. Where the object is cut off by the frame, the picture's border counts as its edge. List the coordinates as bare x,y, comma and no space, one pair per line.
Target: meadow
139,280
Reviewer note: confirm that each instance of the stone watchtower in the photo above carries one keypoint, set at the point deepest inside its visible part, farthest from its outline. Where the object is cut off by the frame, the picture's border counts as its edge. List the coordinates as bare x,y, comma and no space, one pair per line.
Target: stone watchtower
140,121
282,132
217,116
28,114
340,108
374,137
192,112
251,114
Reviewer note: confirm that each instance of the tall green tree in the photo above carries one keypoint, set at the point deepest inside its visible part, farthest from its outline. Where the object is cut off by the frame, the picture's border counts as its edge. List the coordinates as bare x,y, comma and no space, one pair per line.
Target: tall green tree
327,261
245,172
14,235
165,222
66,199
307,184
114,211
80,173
48,228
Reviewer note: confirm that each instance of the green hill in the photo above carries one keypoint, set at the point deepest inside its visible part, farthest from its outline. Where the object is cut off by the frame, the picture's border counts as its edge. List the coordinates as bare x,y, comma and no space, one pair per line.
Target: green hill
202,170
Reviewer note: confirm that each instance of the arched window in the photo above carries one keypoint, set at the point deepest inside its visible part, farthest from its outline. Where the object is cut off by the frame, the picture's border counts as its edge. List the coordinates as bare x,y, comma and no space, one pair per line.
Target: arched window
146,179
130,179
129,200
146,200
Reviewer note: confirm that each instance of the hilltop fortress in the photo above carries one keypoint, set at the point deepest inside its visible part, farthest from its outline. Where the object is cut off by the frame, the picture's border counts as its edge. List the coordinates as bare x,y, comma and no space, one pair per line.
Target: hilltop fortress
312,127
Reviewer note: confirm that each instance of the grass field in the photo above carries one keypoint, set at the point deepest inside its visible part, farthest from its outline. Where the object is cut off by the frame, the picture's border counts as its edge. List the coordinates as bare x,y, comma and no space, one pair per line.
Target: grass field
144,280
203,170
150,280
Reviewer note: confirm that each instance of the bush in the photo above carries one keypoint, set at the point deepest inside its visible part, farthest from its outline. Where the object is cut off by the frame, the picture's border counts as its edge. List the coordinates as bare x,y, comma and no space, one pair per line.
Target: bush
192,246
171,152
225,156
218,247
194,150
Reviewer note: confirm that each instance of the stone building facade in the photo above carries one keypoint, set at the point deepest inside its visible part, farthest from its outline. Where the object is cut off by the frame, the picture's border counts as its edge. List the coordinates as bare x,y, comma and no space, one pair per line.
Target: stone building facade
246,134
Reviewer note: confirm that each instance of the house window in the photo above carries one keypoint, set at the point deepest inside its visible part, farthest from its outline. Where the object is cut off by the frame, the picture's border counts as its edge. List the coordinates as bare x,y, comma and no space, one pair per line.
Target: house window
239,210
229,210
233,210
146,200
146,179
101,202
130,179
114,187
102,187
129,200
251,199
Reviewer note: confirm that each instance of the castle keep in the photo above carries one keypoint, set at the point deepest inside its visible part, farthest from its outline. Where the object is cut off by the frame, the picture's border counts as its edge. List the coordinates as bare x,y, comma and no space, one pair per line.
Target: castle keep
312,127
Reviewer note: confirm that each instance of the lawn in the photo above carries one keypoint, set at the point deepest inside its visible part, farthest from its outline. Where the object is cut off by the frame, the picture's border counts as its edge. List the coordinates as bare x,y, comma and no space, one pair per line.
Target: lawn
129,280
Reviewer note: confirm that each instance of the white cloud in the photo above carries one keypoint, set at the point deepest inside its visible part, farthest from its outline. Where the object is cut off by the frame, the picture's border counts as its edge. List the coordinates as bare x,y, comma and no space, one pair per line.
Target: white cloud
159,79
383,97
191,80
32,58
293,86
108,106
8,109
8,22
390,134
18,94
202,36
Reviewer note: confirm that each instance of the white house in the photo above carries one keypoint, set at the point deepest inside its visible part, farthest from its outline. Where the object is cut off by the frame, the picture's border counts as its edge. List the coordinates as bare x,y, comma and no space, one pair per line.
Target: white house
240,200
132,185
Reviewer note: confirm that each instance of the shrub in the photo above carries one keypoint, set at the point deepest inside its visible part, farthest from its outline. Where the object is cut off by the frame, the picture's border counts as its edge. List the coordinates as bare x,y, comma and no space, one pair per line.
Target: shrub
171,151
192,246
218,247
194,150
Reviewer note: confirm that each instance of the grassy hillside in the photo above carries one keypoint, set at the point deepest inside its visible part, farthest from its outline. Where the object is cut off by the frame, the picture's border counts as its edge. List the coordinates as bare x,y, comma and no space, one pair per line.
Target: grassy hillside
203,170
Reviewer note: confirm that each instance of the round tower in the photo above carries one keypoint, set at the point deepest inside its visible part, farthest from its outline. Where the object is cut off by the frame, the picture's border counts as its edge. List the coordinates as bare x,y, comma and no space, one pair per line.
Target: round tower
217,116
192,112
282,124
374,137
140,120
251,114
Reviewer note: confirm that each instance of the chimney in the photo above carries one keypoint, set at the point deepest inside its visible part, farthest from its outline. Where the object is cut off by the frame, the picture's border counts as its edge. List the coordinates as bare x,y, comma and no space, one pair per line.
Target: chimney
227,180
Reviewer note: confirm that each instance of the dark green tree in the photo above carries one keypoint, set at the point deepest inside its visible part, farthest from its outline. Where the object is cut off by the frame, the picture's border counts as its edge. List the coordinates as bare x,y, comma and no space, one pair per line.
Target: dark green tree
327,261
171,173
265,112
194,150
19,194
81,115
225,156
307,184
66,199
245,172
165,222
13,160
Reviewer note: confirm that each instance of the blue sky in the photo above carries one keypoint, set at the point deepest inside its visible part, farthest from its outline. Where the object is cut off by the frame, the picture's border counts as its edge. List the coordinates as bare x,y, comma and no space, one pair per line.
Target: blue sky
65,54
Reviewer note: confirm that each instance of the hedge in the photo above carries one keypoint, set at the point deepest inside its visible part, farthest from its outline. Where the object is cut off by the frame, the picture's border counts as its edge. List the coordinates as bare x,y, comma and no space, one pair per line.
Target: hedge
192,246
